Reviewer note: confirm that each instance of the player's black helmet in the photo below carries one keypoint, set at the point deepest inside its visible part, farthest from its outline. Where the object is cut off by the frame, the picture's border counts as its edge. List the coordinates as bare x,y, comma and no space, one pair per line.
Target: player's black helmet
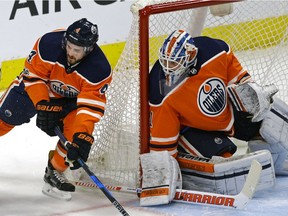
82,33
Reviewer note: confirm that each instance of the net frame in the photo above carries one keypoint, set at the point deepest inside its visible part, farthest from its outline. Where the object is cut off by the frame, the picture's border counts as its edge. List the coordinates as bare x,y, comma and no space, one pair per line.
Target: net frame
144,68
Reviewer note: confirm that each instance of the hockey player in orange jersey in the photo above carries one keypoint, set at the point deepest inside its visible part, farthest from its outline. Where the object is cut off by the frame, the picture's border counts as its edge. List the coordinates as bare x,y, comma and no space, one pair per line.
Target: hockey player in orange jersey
64,82
200,95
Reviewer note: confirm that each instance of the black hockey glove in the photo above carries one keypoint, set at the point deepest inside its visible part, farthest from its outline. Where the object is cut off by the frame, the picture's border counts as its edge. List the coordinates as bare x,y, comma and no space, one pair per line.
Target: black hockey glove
48,116
79,148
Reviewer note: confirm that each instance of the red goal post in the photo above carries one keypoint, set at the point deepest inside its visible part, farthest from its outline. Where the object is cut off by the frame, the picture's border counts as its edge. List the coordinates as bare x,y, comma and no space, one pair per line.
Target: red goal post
255,30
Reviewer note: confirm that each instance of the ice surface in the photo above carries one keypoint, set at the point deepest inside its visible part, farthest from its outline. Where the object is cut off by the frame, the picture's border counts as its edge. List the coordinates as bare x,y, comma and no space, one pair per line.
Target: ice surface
23,157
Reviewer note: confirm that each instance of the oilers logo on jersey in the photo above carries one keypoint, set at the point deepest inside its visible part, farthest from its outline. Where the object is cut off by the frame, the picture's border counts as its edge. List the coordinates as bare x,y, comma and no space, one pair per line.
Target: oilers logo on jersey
212,97
63,89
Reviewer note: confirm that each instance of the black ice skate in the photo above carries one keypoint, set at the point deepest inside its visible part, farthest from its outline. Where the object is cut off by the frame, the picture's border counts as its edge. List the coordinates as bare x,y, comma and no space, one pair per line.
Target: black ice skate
56,184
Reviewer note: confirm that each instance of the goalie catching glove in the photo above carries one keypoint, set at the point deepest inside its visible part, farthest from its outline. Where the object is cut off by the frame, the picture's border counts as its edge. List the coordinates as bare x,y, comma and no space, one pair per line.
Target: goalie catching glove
252,98
79,148
48,116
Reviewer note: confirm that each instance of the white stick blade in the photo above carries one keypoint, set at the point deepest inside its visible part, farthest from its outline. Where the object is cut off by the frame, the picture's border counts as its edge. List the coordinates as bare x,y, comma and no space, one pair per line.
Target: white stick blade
252,179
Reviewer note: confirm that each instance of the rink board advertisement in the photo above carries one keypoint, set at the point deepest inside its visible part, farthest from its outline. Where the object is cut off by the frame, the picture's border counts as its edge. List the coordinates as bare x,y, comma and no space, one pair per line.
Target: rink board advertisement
23,21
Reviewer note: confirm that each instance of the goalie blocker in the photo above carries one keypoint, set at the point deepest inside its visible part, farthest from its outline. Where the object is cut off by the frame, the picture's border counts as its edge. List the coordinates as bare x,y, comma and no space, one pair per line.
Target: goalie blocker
160,179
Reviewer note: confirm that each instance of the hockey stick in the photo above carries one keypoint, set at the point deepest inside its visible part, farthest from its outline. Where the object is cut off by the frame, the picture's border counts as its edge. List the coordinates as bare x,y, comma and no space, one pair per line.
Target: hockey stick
93,176
238,201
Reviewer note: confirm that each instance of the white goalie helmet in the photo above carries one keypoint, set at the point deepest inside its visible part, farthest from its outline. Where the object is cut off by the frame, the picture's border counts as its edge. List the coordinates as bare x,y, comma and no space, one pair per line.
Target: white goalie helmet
176,55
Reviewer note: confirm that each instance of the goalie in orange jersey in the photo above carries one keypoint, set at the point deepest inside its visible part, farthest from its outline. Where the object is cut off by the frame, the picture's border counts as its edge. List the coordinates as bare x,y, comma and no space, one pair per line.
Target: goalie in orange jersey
188,97
64,82
200,95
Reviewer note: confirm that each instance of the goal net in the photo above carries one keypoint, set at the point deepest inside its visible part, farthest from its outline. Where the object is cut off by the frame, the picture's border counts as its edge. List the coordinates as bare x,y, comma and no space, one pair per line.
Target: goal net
255,30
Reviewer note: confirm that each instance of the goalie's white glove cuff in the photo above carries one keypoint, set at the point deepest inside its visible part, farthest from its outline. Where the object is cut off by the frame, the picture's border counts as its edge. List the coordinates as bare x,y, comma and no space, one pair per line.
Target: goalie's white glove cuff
265,94
252,98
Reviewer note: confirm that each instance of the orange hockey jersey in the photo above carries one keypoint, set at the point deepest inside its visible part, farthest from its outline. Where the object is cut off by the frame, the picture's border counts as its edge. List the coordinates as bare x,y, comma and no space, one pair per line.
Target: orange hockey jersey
199,101
47,75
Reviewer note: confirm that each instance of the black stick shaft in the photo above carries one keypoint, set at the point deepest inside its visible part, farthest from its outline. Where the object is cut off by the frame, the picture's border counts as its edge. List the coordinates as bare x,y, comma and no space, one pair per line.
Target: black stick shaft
94,177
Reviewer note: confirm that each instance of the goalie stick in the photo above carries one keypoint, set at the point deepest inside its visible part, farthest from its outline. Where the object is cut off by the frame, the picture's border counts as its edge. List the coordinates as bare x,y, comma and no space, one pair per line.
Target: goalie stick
238,201
94,178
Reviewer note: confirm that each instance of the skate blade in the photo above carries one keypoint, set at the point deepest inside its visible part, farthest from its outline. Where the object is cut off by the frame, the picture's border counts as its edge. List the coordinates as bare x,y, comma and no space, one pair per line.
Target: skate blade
55,193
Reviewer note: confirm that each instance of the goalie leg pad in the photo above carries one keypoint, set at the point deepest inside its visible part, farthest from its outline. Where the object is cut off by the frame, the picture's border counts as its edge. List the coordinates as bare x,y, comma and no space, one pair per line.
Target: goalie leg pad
229,174
274,131
161,178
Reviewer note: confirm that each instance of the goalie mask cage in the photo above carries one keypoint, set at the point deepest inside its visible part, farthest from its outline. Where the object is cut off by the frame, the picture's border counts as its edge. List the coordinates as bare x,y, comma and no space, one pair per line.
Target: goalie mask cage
256,32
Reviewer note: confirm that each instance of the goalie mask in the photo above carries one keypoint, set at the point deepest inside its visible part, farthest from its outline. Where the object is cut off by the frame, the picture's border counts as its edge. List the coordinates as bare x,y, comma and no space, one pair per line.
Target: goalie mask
176,55
82,33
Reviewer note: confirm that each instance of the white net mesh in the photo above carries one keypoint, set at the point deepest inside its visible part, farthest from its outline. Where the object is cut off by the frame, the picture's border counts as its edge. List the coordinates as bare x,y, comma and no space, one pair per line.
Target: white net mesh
256,31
